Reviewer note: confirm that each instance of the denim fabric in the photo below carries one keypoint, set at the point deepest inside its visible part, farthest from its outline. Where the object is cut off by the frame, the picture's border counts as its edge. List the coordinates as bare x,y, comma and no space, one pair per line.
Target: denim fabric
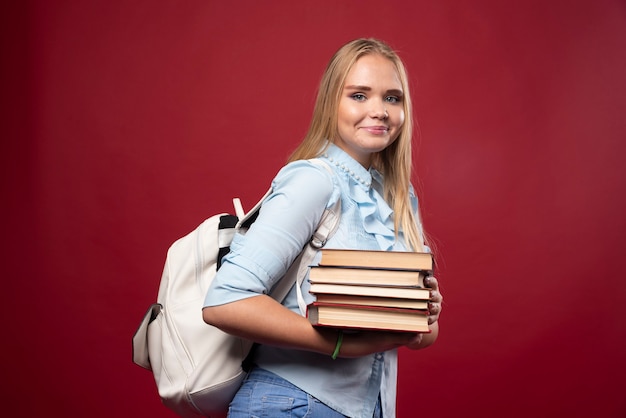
264,394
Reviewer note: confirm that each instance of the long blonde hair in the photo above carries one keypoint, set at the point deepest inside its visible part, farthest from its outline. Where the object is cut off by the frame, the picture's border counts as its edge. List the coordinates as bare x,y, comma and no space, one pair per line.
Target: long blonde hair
395,161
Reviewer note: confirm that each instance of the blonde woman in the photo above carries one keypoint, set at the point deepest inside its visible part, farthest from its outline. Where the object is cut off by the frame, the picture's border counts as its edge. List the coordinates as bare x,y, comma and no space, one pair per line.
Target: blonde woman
362,128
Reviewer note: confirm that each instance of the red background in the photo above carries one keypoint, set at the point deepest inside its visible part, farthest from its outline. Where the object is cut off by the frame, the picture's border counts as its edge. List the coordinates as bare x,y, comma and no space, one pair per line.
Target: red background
125,123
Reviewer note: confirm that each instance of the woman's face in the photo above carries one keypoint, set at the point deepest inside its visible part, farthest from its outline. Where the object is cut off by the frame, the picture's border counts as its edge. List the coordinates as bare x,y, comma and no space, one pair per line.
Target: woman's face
371,110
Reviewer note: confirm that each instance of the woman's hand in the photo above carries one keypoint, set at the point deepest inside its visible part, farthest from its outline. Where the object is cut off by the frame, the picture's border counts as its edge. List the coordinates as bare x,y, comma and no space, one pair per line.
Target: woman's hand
366,342
434,310
436,299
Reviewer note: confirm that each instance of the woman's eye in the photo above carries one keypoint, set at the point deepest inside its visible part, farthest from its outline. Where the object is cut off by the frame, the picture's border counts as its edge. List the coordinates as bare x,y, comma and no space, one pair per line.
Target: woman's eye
392,99
358,96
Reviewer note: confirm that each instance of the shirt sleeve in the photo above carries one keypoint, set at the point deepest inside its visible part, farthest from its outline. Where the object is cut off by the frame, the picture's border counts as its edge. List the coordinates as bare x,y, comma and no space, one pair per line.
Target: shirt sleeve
288,217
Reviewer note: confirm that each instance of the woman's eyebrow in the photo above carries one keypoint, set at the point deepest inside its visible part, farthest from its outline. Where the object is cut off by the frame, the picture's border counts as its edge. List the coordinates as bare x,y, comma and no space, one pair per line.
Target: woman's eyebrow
355,87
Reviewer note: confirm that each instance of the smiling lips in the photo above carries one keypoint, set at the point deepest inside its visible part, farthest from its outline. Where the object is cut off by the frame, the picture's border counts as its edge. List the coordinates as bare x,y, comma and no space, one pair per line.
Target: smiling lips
376,130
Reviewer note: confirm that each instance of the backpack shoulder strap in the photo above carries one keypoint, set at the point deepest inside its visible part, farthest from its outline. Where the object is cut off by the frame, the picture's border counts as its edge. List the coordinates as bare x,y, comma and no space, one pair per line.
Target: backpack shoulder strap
246,219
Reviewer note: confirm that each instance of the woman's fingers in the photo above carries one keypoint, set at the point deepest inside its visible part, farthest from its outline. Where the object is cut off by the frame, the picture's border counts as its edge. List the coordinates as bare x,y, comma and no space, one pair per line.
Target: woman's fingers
436,299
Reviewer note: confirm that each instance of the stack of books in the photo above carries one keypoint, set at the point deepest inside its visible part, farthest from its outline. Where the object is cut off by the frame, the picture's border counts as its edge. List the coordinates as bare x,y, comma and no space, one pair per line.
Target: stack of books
375,290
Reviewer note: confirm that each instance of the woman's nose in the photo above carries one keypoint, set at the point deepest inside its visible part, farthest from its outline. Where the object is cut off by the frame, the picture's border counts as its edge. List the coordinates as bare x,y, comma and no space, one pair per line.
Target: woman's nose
378,110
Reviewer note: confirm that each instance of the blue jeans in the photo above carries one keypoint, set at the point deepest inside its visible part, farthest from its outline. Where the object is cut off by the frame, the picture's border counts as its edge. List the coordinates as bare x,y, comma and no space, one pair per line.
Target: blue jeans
264,394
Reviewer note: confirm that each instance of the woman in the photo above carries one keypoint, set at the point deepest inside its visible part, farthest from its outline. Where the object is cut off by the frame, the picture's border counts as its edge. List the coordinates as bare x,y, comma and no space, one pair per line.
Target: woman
362,129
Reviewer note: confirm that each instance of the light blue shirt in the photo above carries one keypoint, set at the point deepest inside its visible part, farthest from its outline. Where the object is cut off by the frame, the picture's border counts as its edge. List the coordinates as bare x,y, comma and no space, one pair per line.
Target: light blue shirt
258,259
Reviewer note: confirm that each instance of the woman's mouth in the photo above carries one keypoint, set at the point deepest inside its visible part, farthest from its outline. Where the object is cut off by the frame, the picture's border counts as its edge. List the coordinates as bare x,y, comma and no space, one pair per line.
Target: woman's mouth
376,130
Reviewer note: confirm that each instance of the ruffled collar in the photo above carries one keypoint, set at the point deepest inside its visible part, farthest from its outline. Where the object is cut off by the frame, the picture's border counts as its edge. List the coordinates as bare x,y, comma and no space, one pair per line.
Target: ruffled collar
365,188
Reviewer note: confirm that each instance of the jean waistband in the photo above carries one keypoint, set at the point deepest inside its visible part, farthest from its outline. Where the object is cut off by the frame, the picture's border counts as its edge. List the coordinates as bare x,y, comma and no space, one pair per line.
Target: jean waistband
261,375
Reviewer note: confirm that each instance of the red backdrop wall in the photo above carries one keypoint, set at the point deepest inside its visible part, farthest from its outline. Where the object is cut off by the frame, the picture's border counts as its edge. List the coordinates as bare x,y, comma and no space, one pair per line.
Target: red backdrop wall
126,123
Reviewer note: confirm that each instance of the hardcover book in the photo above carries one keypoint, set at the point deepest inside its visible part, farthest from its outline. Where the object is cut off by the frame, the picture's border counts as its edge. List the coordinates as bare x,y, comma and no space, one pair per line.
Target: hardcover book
380,291
403,260
368,317
365,276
